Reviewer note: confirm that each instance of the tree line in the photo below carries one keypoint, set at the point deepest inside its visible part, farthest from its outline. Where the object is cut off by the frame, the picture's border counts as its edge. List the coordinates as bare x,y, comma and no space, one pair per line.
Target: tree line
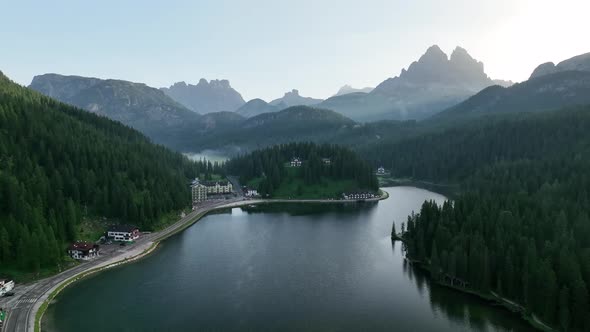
59,164
520,228
269,164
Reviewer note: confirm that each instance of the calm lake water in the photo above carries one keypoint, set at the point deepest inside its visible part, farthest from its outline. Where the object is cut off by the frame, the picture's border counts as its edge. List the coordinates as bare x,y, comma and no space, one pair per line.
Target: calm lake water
279,268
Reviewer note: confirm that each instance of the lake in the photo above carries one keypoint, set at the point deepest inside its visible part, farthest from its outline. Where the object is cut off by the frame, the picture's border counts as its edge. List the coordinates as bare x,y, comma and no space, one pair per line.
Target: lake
287,267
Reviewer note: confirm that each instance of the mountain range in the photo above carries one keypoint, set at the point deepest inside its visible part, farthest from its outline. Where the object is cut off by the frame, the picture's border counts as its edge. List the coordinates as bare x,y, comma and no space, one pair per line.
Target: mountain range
436,88
293,98
578,63
346,89
206,97
549,87
137,105
256,107
429,85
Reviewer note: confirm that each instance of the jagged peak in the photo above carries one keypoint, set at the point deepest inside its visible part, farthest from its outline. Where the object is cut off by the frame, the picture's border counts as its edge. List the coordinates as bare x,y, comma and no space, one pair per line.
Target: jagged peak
460,53
293,92
433,53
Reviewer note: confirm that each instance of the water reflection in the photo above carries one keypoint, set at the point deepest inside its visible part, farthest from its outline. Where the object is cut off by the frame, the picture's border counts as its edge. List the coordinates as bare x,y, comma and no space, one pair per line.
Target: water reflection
463,310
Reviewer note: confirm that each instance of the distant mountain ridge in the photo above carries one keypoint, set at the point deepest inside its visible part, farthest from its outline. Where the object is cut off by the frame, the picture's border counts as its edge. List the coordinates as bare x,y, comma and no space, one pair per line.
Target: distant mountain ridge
542,93
429,85
346,89
292,98
206,97
578,63
256,107
296,123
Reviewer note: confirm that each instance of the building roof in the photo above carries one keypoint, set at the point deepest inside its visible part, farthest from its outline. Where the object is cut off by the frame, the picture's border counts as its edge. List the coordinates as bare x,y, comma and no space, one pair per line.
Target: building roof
122,228
213,183
82,246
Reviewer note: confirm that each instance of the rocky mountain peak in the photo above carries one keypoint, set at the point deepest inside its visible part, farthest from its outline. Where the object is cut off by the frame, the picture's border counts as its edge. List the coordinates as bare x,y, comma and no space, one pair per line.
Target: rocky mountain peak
293,93
543,69
433,55
206,96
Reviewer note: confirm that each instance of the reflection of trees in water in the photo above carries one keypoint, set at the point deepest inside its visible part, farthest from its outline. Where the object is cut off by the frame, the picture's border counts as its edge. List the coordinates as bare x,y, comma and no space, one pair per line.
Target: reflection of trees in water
302,209
463,309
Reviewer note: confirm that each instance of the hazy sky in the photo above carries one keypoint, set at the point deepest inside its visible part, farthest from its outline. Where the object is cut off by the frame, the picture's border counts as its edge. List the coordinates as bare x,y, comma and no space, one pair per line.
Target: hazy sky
268,47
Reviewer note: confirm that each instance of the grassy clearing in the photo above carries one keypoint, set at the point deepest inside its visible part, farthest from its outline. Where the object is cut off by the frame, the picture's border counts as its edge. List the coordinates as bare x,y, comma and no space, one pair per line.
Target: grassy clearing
91,229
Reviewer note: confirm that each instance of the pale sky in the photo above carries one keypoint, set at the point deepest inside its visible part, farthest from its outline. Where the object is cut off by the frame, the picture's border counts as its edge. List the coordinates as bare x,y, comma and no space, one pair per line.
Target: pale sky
267,47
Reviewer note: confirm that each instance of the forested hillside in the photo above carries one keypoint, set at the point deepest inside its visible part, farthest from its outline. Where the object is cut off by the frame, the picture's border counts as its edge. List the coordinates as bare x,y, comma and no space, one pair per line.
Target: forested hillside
520,229
453,154
269,169
59,164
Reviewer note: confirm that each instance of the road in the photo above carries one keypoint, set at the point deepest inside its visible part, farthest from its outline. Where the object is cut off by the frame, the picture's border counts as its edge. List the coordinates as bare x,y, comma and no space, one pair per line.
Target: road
23,307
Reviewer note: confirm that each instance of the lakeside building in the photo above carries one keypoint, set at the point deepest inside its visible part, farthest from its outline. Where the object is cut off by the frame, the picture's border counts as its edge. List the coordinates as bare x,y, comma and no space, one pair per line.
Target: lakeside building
296,162
202,189
6,286
199,191
250,192
125,233
218,187
358,195
381,171
83,250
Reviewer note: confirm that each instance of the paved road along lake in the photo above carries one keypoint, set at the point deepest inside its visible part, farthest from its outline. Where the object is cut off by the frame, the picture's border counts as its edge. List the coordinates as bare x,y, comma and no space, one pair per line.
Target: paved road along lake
283,267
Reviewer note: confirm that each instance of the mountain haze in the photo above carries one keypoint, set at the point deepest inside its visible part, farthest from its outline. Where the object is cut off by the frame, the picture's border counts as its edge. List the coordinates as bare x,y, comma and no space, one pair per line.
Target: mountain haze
429,85
137,105
578,63
256,107
542,93
297,123
292,98
346,89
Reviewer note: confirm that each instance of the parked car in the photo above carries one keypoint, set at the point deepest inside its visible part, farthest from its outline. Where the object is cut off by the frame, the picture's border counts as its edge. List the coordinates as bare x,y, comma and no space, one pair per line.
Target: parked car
9,294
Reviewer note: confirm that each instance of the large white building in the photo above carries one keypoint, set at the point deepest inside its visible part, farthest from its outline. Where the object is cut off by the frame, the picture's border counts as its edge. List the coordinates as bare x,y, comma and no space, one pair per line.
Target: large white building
202,189
125,233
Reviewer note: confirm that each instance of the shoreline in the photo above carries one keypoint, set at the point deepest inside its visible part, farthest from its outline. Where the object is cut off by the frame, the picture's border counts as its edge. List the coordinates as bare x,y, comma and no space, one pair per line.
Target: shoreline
42,304
492,298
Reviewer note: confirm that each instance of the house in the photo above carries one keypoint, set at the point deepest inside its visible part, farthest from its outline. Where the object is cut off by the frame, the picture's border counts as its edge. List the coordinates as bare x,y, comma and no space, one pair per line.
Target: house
125,233
250,192
83,250
381,171
326,161
296,162
6,286
358,195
